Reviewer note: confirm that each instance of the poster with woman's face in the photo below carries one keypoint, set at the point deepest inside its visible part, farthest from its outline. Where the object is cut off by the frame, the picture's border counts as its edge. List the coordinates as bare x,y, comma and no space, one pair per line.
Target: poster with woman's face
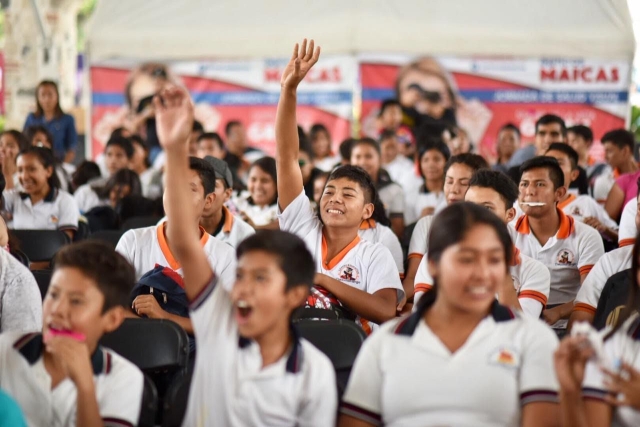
485,94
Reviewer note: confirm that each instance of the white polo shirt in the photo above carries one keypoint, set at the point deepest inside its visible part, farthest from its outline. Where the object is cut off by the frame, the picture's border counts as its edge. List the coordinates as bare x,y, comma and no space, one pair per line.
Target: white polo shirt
611,263
259,215
231,388
419,245
435,200
405,376
87,199
531,280
628,230
374,232
624,346
392,197
118,384
57,211
573,251
364,265
146,247
234,229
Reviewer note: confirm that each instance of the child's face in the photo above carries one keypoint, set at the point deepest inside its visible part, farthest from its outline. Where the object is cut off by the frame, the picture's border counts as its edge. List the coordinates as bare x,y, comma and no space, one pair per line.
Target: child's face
32,174
321,145
261,303
9,147
390,150
74,304
261,187
367,158
40,139
209,147
343,204
432,165
391,118
116,159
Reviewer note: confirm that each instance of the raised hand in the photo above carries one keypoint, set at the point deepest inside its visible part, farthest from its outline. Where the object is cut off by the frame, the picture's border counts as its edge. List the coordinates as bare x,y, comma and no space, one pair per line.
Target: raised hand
301,61
174,117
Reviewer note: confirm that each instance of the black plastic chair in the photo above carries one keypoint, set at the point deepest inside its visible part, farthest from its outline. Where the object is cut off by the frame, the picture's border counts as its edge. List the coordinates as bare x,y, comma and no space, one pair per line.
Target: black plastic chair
43,278
313,313
339,339
41,245
20,256
112,237
82,232
175,400
149,407
139,222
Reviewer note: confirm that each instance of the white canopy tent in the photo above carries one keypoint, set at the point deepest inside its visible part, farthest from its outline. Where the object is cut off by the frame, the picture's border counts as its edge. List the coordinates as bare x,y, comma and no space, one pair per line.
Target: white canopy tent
206,29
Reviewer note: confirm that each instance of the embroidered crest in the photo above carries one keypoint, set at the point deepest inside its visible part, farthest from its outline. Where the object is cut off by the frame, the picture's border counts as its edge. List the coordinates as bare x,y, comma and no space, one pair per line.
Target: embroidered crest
505,357
53,219
349,273
576,211
565,257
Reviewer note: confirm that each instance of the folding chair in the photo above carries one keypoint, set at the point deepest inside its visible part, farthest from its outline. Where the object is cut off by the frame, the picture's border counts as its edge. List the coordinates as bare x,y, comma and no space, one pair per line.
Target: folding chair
149,407
43,278
139,222
112,237
82,232
41,245
339,339
175,400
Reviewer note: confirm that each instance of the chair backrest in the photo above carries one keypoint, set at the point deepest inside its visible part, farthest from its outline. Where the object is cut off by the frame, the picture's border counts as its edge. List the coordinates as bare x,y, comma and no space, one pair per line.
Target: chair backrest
139,222
152,345
20,256
112,237
149,407
43,278
339,339
613,299
41,245
175,400
82,232
313,313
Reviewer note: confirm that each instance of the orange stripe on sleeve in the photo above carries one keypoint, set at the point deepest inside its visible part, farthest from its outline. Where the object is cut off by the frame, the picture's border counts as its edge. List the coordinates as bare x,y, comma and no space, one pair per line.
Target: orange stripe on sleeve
585,269
584,307
415,255
626,242
422,287
538,296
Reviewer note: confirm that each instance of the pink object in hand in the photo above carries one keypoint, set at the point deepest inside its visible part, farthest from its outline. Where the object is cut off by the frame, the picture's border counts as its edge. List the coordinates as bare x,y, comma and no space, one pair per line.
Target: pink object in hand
69,334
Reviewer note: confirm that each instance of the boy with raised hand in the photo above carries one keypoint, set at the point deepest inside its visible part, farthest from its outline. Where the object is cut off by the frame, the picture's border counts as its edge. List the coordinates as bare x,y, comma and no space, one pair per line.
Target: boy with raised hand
61,376
361,275
251,367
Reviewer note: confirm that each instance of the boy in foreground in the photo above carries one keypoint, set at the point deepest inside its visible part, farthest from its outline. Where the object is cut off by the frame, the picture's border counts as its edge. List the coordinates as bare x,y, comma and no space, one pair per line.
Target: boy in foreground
251,367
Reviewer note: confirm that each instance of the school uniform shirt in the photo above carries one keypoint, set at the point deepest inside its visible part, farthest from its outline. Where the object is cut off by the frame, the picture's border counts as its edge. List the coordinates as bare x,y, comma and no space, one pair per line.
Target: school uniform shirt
259,215
505,364
364,265
231,388
86,198
623,346
627,232
419,244
392,197
327,164
531,280
435,200
573,251
20,299
611,263
151,183
147,247
57,211
374,232
603,184
118,384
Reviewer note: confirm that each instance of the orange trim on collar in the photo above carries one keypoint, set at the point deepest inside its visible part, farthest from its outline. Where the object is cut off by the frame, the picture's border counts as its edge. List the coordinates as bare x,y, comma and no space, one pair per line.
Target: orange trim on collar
616,173
228,220
164,246
569,199
329,265
567,225
515,258
368,224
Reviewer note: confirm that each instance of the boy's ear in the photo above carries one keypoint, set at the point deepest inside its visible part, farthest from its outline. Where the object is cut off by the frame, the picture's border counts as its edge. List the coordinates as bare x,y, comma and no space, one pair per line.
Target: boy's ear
560,192
297,295
112,319
367,211
575,173
511,214
209,199
227,194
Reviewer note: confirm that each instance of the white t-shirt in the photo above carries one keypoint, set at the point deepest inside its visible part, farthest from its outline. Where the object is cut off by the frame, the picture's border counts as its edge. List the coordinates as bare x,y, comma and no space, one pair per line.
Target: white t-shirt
609,264
57,211
405,376
230,387
118,384
234,230
624,346
20,299
374,232
259,215
628,230
146,247
364,265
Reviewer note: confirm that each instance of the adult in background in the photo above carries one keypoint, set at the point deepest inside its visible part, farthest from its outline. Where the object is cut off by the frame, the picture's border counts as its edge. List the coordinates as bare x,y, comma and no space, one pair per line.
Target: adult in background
49,114
508,143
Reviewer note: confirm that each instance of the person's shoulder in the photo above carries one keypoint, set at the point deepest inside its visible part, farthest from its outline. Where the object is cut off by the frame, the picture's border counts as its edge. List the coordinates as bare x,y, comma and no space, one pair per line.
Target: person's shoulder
13,194
243,227
583,230
141,235
218,247
64,197
530,326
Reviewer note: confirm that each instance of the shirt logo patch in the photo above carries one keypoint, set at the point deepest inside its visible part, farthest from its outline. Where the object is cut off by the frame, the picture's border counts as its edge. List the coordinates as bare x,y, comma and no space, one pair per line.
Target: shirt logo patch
349,273
505,357
565,257
53,219
576,211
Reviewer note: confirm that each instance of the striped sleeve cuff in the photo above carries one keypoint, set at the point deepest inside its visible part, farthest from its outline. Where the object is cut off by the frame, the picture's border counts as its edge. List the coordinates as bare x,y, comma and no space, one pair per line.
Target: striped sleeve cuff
580,306
415,255
593,393
68,227
205,292
422,287
535,295
361,414
585,269
538,396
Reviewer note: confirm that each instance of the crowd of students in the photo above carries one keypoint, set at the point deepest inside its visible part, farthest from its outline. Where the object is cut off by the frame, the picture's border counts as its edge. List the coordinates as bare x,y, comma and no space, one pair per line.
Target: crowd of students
449,265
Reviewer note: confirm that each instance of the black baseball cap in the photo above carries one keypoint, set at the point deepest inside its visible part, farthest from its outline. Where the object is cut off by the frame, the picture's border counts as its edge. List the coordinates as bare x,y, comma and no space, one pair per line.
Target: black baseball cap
221,169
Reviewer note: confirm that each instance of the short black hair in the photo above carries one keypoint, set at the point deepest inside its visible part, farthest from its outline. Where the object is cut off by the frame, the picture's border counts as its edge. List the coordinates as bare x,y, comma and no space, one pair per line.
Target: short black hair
111,272
511,127
387,134
366,141
474,161
359,176
230,124
197,127
122,142
582,131
212,135
294,258
122,177
620,138
345,148
388,103
434,144
548,163
206,173
548,119
497,181
566,149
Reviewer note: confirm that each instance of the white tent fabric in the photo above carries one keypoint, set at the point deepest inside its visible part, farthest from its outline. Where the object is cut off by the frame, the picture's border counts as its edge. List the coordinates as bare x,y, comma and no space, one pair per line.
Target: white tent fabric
206,29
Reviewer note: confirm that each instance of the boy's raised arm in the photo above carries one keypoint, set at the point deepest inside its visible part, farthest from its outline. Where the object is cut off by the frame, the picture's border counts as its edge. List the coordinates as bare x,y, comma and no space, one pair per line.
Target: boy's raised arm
174,120
287,145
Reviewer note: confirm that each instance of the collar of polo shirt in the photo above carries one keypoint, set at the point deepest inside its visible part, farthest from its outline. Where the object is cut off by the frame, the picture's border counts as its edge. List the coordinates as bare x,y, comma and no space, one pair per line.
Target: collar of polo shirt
294,361
50,197
567,225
